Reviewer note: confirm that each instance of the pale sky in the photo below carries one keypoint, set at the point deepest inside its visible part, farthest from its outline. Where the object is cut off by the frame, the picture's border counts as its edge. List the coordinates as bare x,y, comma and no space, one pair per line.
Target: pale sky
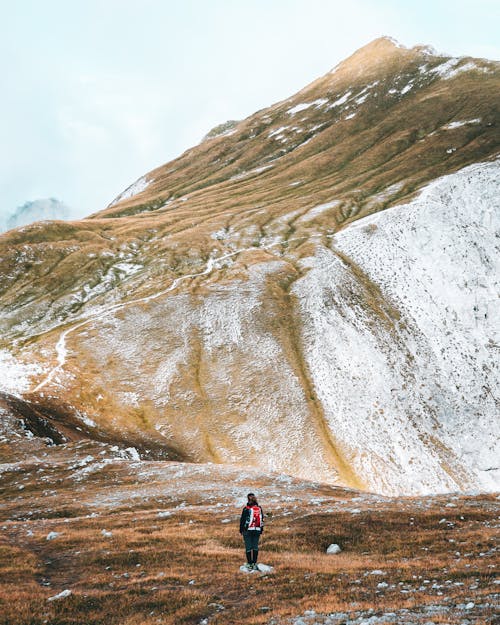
98,92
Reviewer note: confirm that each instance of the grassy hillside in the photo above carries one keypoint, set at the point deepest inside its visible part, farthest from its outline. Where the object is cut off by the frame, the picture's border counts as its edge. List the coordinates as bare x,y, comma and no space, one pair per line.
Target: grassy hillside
364,137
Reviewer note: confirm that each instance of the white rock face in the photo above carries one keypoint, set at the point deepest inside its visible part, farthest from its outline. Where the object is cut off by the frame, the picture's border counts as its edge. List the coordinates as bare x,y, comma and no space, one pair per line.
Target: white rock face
333,549
401,337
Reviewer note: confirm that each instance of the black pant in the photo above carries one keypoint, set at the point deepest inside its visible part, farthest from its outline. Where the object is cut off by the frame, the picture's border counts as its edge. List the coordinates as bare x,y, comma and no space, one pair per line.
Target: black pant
251,538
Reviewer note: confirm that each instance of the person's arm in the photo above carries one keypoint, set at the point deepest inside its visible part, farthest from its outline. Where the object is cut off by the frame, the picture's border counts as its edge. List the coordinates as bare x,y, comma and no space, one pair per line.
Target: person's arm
242,520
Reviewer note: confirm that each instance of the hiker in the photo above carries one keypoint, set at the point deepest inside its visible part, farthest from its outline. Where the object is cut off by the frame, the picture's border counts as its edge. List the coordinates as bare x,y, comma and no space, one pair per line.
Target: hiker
251,527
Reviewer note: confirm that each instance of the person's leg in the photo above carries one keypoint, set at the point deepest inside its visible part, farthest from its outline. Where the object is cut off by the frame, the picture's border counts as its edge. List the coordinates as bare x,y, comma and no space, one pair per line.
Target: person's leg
248,547
255,547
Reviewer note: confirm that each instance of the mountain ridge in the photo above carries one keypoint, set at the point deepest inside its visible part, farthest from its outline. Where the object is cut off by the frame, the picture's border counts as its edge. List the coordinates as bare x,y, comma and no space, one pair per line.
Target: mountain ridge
403,58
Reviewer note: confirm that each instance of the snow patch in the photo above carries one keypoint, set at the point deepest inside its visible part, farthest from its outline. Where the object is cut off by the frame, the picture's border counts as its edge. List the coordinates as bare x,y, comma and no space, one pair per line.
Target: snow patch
407,88
298,108
15,376
277,131
305,105
137,187
386,193
458,124
251,172
317,210
443,70
342,100
452,68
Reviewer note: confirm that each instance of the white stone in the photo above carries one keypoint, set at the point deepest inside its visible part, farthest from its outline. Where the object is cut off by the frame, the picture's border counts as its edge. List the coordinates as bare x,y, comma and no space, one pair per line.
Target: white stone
263,568
52,535
61,595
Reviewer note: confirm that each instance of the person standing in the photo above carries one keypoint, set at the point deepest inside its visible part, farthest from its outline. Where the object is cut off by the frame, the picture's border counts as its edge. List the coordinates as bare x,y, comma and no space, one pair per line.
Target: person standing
251,528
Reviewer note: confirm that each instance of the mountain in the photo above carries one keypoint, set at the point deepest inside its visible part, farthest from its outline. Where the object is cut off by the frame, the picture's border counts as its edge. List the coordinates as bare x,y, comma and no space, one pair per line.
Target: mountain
310,290
36,210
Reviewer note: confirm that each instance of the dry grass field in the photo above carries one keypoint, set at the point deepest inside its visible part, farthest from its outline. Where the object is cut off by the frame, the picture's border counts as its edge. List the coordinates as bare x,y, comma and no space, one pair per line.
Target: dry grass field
140,543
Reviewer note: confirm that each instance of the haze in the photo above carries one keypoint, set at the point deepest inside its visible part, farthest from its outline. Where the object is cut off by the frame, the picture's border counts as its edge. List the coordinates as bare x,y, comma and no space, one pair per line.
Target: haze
98,93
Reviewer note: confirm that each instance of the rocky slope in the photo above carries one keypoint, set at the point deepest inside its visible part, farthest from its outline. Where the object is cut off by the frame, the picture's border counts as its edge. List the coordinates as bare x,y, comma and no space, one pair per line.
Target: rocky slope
310,290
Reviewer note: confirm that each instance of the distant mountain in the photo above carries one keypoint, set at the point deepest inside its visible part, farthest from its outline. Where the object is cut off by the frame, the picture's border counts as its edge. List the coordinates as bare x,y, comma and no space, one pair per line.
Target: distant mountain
309,290
37,210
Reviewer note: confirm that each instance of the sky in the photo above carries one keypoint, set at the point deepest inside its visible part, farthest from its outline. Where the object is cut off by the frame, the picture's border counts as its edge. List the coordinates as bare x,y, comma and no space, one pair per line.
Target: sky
98,92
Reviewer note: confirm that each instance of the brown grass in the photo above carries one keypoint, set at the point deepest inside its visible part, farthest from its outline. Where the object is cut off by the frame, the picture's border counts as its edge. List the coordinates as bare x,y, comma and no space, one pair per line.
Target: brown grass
185,567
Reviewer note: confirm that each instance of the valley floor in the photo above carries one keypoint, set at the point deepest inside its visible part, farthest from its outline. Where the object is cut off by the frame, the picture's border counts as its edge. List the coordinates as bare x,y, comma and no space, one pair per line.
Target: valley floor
91,535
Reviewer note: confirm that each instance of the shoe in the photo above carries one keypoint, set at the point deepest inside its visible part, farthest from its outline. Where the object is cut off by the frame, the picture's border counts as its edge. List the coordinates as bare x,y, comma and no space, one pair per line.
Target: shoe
255,566
249,567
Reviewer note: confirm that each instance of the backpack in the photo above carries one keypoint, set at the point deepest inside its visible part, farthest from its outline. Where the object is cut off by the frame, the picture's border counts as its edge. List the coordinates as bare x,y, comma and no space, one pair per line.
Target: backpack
255,518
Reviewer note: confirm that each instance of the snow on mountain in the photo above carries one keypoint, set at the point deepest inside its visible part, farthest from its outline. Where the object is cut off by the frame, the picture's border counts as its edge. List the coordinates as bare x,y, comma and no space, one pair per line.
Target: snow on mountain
15,376
137,187
379,369
401,334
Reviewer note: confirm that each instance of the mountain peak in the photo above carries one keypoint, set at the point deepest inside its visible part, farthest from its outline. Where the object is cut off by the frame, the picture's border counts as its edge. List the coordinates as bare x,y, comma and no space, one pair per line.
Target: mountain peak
372,54
384,42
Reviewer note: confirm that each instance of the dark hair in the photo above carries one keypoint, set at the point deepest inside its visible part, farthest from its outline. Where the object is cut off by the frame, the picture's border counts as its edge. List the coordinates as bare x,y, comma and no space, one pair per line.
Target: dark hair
255,498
